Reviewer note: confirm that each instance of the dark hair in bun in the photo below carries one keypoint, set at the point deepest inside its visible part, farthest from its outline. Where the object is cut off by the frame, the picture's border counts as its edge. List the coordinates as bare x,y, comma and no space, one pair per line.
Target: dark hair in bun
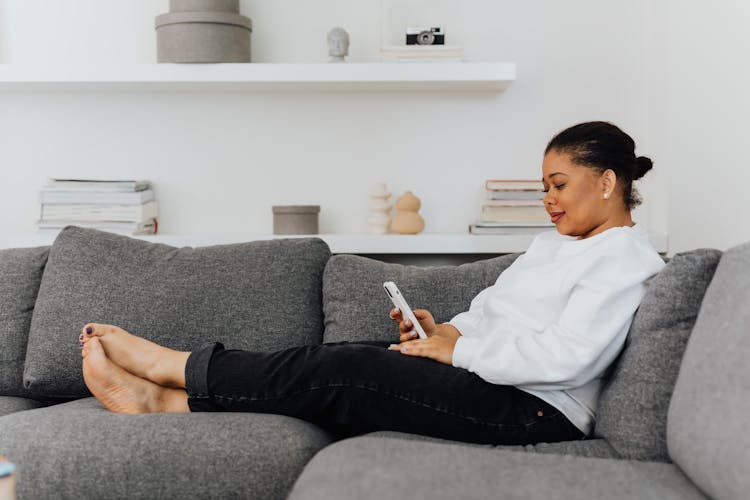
642,165
602,146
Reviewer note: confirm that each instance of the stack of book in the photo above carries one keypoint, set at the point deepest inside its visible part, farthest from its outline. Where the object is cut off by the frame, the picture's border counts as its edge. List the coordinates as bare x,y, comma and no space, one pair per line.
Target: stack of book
125,207
512,207
421,53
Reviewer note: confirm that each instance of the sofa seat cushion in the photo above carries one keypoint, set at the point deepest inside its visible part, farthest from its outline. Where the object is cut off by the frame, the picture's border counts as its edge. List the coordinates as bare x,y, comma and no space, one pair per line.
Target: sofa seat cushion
81,450
20,275
262,295
375,468
11,404
708,433
596,448
632,413
356,307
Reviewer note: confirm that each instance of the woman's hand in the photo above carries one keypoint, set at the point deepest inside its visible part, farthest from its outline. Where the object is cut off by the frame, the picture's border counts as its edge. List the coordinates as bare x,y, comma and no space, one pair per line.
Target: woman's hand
406,329
439,344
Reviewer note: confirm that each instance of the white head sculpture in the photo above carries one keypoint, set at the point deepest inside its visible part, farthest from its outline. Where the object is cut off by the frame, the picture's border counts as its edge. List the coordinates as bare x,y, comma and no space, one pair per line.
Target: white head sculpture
338,44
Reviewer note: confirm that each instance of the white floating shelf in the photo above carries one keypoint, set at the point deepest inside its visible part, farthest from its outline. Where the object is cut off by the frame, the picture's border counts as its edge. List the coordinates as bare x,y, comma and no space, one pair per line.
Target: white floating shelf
474,76
424,244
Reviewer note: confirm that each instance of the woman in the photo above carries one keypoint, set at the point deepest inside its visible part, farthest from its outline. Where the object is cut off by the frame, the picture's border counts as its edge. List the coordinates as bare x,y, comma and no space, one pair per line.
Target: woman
523,365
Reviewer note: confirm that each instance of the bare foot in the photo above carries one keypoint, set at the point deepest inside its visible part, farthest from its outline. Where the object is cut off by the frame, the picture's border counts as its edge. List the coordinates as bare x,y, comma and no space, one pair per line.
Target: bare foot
123,392
139,356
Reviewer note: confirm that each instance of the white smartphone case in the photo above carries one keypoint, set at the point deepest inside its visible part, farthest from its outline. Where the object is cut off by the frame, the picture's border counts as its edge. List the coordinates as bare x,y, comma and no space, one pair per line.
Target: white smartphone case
399,301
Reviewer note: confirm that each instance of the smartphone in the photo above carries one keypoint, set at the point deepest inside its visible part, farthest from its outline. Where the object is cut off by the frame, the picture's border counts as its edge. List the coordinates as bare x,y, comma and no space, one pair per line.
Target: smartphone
6,469
399,301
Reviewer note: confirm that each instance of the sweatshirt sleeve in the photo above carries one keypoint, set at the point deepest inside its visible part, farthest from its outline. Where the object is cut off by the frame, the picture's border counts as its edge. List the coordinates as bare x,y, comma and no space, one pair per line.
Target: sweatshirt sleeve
468,322
574,350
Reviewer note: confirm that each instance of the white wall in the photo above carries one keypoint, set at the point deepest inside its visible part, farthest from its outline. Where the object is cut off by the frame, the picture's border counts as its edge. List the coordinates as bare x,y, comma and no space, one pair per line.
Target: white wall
699,103
219,161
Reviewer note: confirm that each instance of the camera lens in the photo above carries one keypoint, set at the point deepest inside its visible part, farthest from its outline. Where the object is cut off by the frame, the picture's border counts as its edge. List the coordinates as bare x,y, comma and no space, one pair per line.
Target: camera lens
426,38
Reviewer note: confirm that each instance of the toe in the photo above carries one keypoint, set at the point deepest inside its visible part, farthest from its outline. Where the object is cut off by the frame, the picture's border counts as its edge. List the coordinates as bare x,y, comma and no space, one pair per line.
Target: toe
93,350
96,329
95,346
94,358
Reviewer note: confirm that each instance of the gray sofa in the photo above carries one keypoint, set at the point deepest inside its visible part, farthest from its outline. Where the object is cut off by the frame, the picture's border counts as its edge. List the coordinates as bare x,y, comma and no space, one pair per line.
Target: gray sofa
670,425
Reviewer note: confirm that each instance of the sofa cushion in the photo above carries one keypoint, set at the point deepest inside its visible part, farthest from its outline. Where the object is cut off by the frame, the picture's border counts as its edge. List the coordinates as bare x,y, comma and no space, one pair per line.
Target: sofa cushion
11,404
263,295
632,413
596,448
375,468
20,274
356,307
707,431
81,450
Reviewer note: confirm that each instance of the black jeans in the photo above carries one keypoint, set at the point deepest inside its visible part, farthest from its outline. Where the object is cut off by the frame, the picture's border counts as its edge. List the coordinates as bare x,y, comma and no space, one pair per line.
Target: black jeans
354,388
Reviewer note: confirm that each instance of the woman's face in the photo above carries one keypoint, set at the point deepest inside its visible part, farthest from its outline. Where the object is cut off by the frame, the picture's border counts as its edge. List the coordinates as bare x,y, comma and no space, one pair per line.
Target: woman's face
575,198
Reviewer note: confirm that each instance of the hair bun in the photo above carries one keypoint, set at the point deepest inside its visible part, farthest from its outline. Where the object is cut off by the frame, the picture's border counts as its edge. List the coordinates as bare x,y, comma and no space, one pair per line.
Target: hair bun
642,165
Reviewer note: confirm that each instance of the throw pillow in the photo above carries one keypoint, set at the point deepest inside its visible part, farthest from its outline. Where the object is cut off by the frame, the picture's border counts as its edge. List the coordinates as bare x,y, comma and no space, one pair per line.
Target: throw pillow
20,275
632,413
356,306
263,295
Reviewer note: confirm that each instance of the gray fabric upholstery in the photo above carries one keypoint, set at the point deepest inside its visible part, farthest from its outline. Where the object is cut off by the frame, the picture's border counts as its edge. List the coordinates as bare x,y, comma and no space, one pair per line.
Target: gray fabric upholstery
632,413
375,468
11,404
708,417
356,307
20,274
263,295
80,450
595,448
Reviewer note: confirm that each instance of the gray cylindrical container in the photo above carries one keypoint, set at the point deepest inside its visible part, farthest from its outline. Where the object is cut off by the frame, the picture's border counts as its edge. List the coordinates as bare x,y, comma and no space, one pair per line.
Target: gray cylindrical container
203,37
204,6
295,219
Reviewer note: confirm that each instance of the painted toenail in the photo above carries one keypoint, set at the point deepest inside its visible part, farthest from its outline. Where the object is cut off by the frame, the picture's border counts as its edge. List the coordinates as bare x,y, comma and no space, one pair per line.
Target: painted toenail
89,330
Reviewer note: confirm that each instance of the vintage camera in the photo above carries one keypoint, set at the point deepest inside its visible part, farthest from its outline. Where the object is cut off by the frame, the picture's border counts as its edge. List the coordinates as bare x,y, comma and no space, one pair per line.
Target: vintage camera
425,35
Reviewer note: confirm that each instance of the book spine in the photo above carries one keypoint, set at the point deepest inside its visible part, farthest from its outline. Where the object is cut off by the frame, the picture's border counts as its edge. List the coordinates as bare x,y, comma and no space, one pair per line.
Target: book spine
149,226
513,203
100,212
507,230
534,214
513,185
502,194
86,185
51,197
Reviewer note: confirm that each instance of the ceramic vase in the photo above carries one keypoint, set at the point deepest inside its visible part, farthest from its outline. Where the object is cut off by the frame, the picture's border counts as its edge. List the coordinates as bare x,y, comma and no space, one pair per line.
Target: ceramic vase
407,219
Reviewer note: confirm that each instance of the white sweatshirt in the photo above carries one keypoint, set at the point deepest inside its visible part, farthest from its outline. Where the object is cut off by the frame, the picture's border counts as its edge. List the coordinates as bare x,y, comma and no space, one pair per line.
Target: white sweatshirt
558,316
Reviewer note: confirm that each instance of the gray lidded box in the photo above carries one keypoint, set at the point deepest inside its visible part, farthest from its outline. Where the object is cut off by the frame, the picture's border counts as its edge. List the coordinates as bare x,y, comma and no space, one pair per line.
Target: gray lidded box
203,37
204,6
295,219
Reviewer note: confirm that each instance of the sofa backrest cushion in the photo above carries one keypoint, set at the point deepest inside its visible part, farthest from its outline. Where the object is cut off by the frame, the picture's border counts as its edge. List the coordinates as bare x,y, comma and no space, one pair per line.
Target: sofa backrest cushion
356,307
632,413
20,275
263,295
707,429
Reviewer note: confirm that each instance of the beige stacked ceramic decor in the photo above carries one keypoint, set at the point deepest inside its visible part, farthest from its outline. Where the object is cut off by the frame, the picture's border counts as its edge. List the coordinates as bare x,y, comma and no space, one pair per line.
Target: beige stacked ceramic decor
407,220
203,31
380,210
